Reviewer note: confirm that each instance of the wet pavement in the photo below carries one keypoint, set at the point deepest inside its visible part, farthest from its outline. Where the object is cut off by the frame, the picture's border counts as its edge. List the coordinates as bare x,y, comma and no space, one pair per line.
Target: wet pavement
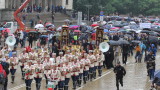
136,79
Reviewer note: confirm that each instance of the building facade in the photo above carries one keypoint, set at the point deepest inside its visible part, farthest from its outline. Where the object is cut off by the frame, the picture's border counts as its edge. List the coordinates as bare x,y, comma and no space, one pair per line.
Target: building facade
7,7
14,4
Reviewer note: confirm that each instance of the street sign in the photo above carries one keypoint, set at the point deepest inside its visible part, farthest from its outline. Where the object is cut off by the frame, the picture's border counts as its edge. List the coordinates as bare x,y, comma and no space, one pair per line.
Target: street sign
79,21
101,18
101,13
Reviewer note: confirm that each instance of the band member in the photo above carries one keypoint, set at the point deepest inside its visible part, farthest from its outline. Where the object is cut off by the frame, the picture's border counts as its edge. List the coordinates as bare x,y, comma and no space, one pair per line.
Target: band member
86,68
23,57
13,66
76,69
82,64
68,72
38,73
29,71
100,61
91,57
47,65
62,68
54,77
95,63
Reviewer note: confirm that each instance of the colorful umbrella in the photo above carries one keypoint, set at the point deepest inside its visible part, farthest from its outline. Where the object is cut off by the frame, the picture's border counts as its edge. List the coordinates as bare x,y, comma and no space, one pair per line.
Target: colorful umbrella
2,29
115,28
73,27
94,25
77,31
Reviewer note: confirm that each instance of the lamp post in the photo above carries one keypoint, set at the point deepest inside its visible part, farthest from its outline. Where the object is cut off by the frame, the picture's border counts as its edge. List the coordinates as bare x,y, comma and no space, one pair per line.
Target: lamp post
88,7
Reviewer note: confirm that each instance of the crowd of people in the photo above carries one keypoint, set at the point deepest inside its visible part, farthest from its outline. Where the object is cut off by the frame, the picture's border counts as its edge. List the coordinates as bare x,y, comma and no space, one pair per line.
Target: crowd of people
43,56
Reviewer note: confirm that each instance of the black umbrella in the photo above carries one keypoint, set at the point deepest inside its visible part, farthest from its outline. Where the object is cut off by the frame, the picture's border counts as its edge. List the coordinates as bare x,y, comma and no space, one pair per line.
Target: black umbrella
136,41
153,39
122,41
145,31
114,43
128,36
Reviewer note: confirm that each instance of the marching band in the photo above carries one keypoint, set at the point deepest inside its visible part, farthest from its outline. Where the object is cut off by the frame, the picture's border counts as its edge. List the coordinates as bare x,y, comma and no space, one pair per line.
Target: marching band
74,64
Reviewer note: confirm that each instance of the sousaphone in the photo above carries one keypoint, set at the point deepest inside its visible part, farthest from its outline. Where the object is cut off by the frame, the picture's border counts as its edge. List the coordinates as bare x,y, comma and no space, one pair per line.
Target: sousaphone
104,46
10,41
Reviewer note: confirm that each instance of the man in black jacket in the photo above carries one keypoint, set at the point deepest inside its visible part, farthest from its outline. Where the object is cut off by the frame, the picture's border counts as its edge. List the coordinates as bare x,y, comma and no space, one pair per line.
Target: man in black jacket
125,51
120,72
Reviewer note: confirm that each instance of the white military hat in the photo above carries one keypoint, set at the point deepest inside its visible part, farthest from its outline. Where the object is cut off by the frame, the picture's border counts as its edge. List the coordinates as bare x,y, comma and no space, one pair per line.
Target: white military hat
90,50
60,52
85,54
53,53
6,55
29,60
14,53
68,51
47,56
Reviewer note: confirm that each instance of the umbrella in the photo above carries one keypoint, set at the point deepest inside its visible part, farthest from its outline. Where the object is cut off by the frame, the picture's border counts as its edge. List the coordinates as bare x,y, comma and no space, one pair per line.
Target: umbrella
157,74
48,23
115,28
145,31
136,41
43,36
114,43
59,28
42,31
121,41
127,35
73,26
106,30
77,31
66,20
153,39
6,30
39,26
94,25
2,29
32,31
123,31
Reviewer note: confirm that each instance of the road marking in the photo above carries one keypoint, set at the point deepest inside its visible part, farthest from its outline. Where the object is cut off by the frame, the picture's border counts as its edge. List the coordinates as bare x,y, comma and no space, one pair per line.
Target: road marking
106,73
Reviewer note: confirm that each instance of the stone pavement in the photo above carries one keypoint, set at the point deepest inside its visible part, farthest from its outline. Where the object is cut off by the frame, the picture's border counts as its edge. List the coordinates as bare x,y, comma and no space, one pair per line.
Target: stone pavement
136,79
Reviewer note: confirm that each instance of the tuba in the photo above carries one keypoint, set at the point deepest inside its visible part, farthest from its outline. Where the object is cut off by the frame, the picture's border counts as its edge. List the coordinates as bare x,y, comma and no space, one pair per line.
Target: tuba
104,46
10,41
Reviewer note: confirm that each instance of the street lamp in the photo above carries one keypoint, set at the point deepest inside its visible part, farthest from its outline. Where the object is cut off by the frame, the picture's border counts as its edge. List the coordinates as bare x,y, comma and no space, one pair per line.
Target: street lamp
88,7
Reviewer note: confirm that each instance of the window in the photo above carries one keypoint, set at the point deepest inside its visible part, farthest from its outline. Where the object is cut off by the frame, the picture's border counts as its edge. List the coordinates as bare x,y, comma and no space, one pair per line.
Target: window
66,2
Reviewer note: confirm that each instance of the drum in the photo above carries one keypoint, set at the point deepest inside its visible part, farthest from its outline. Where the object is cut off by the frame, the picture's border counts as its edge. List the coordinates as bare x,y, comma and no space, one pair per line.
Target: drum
51,84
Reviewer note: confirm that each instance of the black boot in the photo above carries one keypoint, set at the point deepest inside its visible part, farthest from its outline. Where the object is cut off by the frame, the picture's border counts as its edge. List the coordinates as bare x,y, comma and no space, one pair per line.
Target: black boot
100,72
26,88
46,83
23,75
91,76
84,79
39,86
29,88
80,81
66,87
12,79
95,75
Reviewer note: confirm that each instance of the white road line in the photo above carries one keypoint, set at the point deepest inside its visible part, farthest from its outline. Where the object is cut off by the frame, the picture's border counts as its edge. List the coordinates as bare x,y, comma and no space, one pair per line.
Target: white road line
23,85
106,73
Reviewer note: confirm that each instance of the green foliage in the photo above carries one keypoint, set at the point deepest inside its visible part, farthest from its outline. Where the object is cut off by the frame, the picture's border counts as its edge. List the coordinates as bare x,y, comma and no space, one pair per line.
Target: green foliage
132,7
